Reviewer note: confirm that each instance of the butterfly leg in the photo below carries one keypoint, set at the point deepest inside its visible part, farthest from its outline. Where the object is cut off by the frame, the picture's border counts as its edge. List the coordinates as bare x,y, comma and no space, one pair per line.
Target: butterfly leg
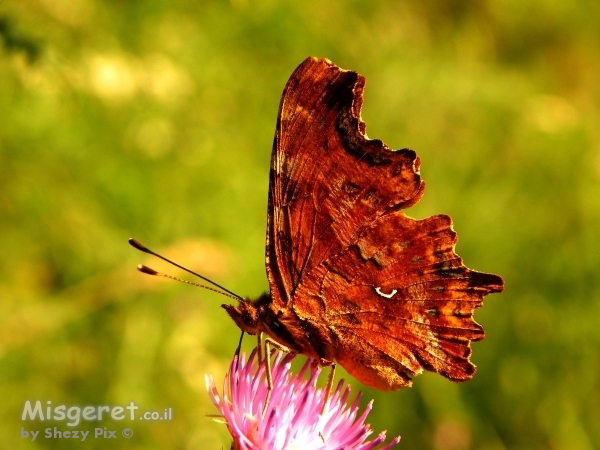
263,351
271,343
329,387
264,354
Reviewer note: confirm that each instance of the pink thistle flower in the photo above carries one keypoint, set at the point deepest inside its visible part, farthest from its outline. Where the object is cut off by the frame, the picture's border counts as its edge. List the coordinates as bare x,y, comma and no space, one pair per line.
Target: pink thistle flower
293,418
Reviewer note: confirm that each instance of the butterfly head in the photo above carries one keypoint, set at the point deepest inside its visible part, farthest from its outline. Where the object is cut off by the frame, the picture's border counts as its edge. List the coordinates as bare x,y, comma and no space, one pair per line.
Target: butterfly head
246,313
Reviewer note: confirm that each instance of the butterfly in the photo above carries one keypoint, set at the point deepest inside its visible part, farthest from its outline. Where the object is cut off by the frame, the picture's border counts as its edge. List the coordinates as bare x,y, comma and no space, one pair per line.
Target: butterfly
353,280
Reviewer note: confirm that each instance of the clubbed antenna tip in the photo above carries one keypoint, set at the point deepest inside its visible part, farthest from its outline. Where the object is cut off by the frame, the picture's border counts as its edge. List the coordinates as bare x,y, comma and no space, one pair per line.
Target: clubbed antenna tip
137,244
146,269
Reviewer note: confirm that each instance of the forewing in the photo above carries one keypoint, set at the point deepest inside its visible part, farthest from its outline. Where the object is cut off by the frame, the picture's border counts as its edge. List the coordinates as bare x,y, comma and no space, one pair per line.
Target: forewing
328,180
399,300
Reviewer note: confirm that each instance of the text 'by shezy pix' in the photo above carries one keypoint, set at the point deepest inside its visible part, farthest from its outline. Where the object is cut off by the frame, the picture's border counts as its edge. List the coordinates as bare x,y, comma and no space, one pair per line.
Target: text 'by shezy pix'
81,435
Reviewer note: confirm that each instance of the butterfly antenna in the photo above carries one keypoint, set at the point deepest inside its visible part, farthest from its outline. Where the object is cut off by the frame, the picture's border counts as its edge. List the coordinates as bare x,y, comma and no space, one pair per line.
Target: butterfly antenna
141,247
147,270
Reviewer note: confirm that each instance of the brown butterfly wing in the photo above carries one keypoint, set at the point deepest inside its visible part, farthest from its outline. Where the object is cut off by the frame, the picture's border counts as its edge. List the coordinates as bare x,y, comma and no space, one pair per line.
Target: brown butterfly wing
327,179
338,245
399,300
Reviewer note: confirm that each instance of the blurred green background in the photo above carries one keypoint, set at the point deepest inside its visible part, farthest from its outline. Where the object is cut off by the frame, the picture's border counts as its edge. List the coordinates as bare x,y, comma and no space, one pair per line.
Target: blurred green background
155,119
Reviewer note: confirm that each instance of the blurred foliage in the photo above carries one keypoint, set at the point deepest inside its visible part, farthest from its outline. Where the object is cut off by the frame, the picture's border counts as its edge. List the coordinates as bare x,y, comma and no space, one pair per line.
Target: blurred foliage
155,120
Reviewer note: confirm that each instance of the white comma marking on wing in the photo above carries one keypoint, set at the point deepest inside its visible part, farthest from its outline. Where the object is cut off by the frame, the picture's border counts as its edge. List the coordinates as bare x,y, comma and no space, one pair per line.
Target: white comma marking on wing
390,295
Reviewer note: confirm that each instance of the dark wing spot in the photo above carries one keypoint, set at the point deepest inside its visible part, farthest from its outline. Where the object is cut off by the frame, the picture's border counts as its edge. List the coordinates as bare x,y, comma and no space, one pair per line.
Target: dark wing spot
433,312
351,188
445,270
370,193
373,197
351,318
458,313
445,265
398,169
452,273
405,244
376,160
350,306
